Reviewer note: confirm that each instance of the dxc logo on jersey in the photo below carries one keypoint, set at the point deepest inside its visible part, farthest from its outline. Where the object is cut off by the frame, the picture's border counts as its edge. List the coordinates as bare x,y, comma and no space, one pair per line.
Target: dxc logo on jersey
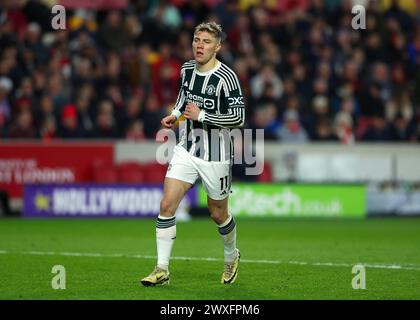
235,101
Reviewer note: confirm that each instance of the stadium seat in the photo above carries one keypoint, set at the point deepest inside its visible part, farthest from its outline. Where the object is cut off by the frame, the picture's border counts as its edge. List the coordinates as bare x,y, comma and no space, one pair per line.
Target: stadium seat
104,172
131,172
155,172
267,174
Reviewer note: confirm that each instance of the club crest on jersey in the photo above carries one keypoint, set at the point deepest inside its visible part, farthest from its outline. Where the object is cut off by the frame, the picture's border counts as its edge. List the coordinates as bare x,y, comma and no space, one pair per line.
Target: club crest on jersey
210,90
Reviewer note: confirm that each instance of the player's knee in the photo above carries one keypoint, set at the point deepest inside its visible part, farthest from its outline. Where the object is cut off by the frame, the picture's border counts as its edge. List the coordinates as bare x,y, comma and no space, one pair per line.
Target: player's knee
218,215
167,209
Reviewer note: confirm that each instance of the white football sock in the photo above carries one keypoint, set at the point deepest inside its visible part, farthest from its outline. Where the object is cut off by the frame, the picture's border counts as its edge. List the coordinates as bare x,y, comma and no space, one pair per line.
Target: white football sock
228,232
165,238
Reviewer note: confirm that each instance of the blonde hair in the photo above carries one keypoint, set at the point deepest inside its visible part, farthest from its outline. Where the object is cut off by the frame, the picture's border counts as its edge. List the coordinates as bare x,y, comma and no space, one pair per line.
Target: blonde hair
212,28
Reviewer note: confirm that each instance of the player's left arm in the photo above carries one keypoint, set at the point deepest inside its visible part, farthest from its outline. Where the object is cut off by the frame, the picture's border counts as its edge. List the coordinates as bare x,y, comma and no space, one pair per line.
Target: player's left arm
235,117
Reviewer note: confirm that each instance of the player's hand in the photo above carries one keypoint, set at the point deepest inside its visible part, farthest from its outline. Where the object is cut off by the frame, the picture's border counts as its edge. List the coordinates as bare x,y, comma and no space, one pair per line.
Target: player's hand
168,121
191,111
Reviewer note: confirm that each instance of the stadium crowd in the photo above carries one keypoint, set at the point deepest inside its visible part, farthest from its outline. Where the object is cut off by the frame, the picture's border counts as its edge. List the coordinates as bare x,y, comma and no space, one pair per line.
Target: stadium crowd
307,75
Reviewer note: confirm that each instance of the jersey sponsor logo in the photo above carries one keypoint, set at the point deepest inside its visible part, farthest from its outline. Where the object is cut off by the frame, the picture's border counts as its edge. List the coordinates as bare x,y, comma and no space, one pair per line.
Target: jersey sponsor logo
234,101
199,100
194,97
210,90
208,103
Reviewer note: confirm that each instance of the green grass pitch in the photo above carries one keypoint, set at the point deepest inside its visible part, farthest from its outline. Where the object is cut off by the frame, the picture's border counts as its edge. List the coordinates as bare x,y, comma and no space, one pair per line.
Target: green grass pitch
281,259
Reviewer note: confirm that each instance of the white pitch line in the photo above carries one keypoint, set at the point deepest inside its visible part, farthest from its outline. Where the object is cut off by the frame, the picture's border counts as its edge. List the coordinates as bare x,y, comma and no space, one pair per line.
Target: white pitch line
408,266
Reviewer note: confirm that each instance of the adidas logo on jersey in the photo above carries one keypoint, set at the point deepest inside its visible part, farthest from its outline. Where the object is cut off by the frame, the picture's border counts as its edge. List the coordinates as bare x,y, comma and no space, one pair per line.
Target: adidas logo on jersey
223,193
186,84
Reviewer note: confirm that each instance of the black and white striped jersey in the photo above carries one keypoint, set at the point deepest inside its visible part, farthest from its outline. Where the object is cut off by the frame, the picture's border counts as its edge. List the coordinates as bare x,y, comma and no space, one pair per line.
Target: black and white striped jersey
219,94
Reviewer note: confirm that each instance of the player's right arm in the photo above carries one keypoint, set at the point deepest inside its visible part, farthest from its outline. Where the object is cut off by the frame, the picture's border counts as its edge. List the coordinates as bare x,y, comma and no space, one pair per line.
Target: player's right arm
168,121
179,107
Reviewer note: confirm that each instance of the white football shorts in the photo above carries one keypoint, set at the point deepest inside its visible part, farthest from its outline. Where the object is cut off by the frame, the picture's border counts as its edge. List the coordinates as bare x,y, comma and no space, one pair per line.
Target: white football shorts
215,175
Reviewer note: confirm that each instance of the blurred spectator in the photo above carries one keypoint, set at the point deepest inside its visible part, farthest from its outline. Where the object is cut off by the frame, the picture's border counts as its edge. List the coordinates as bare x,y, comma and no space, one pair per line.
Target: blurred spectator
10,65
112,33
105,122
43,110
289,90
350,78
343,128
301,79
69,126
227,13
320,87
139,67
349,105
39,81
38,12
22,104
242,71
48,129
114,94
6,86
266,84
83,19
83,71
240,35
398,48
374,49
400,130
377,131
398,13
85,118
151,115
265,117
33,43
56,89
134,28
259,22
165,76
25,91
196,11
371,102
380,74
400,104
135,131
183,51
292,131
320,113
132,112
169,15
324,131
111,73
23,127
272,55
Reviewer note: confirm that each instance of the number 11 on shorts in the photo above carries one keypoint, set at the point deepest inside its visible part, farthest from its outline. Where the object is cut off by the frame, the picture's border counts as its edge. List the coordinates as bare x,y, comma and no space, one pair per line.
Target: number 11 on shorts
225,180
